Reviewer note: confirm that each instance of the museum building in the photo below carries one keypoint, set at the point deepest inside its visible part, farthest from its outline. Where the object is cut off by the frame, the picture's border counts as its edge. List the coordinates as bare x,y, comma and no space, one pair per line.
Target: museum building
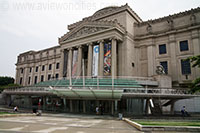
113,59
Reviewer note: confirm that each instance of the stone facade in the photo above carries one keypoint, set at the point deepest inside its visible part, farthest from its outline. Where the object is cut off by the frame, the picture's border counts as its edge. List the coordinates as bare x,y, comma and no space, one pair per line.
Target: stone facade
136,47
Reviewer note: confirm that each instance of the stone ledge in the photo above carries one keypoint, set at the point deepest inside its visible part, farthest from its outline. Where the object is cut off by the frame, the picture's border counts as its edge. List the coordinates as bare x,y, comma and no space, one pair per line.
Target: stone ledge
15,115
162,128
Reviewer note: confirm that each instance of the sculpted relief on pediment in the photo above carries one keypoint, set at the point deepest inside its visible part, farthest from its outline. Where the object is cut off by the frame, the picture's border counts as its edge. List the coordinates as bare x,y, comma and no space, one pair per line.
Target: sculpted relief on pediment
85,31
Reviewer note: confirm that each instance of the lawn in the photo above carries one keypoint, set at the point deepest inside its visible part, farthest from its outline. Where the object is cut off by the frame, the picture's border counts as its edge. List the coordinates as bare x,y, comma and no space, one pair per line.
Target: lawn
3,113
195,123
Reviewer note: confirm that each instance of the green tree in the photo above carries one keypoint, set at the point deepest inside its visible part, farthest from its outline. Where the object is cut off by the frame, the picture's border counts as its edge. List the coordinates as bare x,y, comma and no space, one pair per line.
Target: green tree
7,82
195,86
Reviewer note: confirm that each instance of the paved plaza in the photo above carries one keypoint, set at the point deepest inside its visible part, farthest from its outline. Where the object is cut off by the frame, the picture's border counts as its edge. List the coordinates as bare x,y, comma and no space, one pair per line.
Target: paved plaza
59,124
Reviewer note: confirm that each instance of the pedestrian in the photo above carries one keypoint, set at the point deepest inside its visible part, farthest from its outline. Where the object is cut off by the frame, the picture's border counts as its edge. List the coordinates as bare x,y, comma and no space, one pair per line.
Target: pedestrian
15,109
184,112
97,110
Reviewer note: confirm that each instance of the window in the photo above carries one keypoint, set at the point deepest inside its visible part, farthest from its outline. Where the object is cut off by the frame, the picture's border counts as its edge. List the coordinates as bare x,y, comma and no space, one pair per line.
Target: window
185,67
42,78
22,70
57,75
184,45
20,82
162,49
36,69
165,66
35,80
29,80
43,67
57,65
49,66
30,70
49,76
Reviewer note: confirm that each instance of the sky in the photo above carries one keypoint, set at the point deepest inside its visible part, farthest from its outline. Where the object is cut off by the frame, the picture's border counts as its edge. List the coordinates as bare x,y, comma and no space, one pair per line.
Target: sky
36,24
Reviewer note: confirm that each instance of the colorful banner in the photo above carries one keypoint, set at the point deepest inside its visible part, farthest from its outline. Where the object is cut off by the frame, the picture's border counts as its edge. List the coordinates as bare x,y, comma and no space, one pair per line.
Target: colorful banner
74,63
107,59
95,61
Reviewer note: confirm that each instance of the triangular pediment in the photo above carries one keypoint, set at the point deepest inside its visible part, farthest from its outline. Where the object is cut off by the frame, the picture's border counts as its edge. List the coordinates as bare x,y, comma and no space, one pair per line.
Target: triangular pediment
88,28
85,30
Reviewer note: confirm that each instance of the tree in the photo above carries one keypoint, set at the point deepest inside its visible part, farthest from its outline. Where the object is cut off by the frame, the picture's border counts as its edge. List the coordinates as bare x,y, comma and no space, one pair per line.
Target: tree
7,82
195,86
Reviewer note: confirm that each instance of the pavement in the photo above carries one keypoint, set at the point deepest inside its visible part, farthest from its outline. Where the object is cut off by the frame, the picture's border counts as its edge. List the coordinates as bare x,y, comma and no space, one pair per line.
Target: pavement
56,124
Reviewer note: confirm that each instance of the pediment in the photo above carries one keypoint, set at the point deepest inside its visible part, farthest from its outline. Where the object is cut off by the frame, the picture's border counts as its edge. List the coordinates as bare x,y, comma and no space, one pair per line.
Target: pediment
86,30
91,27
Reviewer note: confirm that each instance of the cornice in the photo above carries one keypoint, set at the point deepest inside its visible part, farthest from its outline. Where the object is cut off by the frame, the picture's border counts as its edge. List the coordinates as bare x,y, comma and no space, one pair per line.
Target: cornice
166,18
164,33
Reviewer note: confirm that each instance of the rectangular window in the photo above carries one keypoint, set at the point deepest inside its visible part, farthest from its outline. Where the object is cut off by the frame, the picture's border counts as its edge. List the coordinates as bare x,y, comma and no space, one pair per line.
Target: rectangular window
49,66
184,45
30,70
22,70
162,49
185,67
57,75
42,78
35,80
29,80
43,67
21,79
165,66
36,69
49,76
57,65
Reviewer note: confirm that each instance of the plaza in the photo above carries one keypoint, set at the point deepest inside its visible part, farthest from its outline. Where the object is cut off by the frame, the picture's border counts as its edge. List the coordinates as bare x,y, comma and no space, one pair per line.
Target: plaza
62,123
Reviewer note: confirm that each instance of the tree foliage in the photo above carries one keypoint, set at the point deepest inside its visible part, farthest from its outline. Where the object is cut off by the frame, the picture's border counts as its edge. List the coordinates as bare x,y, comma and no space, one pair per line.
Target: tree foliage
6,81
195,86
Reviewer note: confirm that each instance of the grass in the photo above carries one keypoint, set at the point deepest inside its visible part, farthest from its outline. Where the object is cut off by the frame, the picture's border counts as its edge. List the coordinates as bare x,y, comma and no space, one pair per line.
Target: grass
195,123
3,113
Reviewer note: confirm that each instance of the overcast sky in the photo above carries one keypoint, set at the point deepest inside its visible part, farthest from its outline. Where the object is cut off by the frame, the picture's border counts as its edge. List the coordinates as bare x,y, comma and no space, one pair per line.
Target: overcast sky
36,24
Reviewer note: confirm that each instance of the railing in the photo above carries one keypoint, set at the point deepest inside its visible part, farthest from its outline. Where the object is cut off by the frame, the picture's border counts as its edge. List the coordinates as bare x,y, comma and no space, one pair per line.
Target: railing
165,91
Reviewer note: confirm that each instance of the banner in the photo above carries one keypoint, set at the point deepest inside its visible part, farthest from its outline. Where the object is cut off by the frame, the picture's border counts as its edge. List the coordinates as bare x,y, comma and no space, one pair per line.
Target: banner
107,59
95,60
74,63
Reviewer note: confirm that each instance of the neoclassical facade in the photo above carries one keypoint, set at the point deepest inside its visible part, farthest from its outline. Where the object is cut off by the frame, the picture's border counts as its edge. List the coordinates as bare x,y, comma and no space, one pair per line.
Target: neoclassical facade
115,42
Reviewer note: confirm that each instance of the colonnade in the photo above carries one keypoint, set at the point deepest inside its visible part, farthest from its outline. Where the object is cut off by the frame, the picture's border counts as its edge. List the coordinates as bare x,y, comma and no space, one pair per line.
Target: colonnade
90,47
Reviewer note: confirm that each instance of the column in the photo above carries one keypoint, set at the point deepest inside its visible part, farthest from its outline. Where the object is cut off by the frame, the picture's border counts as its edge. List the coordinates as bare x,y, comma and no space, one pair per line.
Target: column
64,102
79,61
196,47
101,58
71,106
44,103
25,76
116,104
89,65
69,73
39,73
46,72
112,108
61,63
84,108
17,76
151,60
53,68
114,58
172,45
32,74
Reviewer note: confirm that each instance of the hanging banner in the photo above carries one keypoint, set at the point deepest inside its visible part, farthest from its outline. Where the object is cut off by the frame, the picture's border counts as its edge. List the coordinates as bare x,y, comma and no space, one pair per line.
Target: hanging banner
95,61
74,63
107,59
